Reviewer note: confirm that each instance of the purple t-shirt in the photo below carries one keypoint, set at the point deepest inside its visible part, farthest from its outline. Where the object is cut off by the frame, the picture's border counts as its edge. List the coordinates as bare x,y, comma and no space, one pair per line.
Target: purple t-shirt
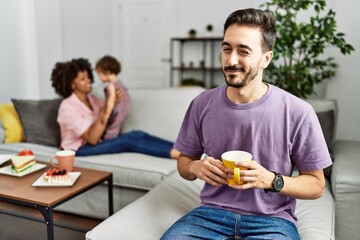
279,130
119,113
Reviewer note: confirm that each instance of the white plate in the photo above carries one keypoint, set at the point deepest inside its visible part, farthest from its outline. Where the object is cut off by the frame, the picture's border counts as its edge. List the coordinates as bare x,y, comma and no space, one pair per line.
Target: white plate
5,157
8,171
41,182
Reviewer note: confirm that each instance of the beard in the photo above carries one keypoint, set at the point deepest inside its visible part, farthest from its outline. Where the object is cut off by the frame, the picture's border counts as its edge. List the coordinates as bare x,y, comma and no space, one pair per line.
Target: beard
236,81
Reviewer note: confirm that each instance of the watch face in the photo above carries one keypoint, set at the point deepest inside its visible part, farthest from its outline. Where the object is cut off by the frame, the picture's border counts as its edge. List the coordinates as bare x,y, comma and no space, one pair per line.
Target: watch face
278,183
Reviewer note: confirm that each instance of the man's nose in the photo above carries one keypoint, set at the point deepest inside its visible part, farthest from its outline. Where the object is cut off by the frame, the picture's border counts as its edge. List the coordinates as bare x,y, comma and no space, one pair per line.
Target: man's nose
233,60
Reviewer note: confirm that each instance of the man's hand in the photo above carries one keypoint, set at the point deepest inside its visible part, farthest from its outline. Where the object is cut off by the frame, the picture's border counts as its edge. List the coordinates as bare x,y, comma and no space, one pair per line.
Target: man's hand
255,177
210,170
308,185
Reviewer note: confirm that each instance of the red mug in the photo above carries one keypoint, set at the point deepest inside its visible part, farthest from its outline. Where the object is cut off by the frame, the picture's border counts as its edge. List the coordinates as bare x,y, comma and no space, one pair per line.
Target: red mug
65,160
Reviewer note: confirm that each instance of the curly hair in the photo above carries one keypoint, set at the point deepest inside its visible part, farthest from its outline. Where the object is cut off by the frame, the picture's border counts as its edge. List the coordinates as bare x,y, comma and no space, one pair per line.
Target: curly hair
108,64
64,73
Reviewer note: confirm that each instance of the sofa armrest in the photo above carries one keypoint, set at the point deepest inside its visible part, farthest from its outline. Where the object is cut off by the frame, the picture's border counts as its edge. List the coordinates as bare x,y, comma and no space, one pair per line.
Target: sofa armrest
345,183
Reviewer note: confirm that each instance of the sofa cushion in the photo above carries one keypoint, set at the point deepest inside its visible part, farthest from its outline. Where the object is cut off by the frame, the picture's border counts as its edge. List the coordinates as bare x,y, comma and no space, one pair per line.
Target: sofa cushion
316,218
42,153
151,215
12,130
327,111
132,170
2,133
38,118
159,112
327,122
346,188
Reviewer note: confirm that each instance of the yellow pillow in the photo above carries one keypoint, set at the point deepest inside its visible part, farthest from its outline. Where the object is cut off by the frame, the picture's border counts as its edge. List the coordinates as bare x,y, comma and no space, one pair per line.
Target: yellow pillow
10,120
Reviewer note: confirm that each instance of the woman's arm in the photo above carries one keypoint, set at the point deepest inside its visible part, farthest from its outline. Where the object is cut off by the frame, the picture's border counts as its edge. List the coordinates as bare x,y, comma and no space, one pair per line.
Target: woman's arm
110,99
94,133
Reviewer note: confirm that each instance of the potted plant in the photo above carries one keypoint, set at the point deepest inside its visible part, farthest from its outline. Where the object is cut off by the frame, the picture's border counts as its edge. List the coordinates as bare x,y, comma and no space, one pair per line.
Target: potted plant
299,62
191,82
209,29
192,33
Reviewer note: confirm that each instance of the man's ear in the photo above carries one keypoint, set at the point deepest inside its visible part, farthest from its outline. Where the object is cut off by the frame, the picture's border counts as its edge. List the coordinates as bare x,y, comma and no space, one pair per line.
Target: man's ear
267,58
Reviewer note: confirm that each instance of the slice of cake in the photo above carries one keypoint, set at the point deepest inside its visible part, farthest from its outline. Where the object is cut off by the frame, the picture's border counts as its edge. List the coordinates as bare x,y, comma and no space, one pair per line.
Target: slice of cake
57,176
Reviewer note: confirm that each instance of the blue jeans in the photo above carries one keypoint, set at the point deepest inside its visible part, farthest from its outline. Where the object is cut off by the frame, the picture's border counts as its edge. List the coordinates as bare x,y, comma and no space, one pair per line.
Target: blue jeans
212,223
134,141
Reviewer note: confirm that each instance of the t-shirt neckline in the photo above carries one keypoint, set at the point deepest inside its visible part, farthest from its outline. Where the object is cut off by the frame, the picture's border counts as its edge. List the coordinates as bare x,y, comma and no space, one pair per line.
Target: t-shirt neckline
247,105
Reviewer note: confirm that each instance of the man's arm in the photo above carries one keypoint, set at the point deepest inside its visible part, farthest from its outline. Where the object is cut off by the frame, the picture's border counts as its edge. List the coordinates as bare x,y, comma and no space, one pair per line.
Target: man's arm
308,185
209,169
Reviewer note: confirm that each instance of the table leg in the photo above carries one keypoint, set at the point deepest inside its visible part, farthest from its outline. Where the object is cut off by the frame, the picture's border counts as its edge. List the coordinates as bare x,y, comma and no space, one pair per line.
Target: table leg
48,216
110,192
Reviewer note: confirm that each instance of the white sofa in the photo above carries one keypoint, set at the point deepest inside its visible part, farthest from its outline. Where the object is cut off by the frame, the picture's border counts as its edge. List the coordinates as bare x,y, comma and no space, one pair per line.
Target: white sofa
156,111
144,214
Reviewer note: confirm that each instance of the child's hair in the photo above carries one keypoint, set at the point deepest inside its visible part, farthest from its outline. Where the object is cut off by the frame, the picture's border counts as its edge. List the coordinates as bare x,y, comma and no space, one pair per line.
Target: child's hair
108,64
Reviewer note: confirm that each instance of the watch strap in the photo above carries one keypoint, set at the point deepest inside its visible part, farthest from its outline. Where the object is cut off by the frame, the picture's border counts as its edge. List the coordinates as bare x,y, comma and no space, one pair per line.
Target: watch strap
272,189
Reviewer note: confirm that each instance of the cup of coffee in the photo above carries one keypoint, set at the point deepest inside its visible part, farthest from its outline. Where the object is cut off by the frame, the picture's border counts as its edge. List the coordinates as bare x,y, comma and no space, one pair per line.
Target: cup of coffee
229,158
65,160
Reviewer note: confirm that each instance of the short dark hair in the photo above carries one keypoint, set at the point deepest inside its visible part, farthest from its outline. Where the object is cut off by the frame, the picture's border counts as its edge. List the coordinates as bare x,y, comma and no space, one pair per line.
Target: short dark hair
264,20
64,73
108,64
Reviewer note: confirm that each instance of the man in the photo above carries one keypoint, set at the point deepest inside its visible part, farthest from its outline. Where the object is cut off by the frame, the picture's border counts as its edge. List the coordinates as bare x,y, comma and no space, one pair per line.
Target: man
278,129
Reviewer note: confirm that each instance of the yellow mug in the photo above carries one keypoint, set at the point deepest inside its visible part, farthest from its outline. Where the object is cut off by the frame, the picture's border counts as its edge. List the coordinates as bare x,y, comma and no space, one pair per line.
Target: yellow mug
229,158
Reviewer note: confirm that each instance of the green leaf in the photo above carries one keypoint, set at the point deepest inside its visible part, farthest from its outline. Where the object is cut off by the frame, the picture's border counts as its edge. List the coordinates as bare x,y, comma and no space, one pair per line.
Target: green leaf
298,63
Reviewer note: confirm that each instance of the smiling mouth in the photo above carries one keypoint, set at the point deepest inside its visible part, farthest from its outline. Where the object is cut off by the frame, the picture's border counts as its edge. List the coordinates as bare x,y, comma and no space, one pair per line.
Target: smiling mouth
232,69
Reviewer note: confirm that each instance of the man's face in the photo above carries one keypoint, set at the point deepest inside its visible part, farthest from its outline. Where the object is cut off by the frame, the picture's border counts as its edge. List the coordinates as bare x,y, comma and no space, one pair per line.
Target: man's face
242,58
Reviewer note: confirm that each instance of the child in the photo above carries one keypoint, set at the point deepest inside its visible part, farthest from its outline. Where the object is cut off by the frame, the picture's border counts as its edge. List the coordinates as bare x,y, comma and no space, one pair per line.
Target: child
108,68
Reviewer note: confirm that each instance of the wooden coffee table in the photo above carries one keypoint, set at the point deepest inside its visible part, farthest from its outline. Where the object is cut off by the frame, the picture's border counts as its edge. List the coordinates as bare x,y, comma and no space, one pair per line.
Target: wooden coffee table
19,190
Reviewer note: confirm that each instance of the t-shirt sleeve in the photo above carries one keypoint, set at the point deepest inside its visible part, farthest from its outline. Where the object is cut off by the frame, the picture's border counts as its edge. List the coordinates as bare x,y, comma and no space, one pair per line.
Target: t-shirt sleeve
309,151
189,140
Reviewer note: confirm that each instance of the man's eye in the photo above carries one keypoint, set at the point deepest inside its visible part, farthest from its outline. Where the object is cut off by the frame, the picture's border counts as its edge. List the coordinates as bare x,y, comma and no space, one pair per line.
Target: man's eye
226,50
243,52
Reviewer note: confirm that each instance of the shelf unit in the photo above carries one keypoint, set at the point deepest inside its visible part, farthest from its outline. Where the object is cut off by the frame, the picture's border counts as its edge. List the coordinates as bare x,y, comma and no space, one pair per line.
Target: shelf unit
208,68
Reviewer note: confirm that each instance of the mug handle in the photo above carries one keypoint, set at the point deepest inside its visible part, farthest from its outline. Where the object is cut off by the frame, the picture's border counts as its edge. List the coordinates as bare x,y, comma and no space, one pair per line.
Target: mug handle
52,163
237,175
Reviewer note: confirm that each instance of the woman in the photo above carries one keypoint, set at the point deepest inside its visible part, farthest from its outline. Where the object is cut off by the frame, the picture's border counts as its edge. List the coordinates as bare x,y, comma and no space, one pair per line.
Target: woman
83,117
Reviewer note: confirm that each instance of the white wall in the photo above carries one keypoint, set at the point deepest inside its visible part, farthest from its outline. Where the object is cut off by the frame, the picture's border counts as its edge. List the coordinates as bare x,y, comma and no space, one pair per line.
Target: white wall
69,29
18,58
345,86
49,42
34,34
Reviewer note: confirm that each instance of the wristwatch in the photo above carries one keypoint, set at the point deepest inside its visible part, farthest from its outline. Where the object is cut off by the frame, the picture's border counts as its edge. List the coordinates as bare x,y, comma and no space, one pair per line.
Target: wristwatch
277,184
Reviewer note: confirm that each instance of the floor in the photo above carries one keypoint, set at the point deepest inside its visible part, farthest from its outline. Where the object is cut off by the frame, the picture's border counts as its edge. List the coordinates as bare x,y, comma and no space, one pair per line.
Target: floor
13,227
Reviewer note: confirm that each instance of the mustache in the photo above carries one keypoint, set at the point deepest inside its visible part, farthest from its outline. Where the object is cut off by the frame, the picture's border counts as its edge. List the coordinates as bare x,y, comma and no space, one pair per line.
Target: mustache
234,68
